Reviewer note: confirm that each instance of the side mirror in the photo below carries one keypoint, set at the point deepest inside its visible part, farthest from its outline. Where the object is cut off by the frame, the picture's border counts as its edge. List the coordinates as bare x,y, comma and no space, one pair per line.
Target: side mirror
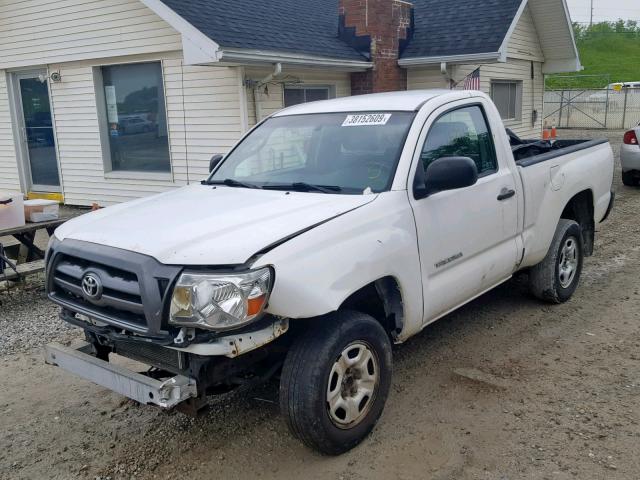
446,173
213,163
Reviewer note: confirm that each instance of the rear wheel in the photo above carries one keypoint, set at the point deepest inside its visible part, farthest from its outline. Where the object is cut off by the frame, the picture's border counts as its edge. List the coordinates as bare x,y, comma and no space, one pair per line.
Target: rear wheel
556,278
335,381
629,179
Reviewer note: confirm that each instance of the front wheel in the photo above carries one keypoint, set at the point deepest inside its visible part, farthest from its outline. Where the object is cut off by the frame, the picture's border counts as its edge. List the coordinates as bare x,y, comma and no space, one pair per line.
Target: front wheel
556,278
335,381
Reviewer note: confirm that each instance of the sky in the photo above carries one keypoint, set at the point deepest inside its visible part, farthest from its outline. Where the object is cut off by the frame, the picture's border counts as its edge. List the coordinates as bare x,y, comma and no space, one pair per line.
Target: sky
604,10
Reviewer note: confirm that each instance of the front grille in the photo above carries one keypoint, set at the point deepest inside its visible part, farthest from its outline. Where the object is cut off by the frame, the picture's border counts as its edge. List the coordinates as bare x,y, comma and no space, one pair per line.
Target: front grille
120,297
133,287
150,354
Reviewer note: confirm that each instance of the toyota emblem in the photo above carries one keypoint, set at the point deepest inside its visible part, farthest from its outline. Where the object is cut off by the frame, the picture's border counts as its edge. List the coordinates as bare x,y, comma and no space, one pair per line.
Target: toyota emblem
91,286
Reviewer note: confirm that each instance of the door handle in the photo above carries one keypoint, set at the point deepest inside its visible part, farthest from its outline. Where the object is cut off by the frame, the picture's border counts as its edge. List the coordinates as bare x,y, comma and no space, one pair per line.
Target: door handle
505,194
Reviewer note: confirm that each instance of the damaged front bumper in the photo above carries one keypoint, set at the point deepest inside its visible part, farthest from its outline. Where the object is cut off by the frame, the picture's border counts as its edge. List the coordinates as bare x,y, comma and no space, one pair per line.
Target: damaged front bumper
234,344
179,374
165,393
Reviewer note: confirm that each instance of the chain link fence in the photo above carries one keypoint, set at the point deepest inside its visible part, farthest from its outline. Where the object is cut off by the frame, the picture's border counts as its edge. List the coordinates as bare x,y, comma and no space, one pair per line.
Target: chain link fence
603,108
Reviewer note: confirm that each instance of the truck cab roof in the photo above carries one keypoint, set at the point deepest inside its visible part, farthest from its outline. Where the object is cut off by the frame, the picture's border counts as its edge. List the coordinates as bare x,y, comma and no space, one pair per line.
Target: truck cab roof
407,101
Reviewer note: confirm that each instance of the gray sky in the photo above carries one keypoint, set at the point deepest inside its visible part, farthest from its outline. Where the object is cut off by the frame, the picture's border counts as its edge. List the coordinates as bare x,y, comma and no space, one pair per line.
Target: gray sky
604,10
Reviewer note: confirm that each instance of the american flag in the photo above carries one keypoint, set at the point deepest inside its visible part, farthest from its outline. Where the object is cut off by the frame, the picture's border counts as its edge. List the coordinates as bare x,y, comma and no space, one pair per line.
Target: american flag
472,82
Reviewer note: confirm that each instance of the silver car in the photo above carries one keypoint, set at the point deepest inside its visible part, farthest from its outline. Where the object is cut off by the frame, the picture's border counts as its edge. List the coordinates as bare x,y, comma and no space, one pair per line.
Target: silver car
630,157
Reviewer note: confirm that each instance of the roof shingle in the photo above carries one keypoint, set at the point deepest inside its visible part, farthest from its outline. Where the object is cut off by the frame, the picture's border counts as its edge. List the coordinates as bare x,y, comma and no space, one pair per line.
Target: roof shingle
442,27
297,26
446,27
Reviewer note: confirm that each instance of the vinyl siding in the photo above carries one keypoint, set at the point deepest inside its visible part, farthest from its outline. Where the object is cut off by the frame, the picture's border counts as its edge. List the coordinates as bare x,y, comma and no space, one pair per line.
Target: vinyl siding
38,32
532,91
273,101
9,178
524,43
513,69
203,116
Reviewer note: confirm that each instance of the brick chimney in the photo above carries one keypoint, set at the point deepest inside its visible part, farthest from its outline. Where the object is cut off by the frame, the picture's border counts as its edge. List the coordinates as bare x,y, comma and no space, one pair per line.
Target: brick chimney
379,29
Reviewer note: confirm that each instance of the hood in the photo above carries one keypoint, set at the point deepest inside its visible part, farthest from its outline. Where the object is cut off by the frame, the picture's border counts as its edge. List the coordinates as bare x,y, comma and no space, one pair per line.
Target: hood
202,225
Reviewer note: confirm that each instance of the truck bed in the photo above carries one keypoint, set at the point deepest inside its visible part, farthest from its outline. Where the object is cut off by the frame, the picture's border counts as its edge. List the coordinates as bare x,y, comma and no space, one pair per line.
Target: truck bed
530,152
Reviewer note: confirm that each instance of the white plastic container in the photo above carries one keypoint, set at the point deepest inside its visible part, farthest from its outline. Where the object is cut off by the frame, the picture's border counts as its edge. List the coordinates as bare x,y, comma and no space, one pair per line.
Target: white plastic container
41,210
11,210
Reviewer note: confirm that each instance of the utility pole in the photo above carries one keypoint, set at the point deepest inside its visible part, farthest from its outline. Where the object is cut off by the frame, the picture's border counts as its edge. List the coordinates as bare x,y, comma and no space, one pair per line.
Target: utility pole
591,21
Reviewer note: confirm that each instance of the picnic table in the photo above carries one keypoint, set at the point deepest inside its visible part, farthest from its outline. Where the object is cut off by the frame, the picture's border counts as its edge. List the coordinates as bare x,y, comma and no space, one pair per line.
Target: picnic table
30,257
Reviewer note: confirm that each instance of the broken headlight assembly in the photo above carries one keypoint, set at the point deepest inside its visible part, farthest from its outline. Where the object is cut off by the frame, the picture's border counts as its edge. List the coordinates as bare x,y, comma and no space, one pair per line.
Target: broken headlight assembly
220,301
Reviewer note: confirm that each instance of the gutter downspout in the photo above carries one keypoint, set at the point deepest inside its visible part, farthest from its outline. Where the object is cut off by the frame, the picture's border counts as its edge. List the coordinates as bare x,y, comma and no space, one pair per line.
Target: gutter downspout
445,73
277,70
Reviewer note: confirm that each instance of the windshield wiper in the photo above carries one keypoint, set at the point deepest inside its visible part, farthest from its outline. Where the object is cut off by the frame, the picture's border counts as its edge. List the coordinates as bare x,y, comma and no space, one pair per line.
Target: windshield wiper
304,187
230,182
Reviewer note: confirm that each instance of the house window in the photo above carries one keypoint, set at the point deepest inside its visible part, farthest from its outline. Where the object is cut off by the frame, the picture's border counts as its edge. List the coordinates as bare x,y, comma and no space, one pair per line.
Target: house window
297,95
507,95
134,118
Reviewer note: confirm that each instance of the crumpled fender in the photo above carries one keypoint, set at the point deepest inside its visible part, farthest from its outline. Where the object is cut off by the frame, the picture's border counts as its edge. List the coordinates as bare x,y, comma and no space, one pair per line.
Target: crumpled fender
315,272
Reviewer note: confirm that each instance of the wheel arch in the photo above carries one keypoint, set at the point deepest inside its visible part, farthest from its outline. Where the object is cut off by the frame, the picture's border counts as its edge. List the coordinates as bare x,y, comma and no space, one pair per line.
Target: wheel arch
580,208
382,299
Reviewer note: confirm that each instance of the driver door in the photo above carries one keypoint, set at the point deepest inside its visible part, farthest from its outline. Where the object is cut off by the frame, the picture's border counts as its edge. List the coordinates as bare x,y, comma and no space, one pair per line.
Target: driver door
466,237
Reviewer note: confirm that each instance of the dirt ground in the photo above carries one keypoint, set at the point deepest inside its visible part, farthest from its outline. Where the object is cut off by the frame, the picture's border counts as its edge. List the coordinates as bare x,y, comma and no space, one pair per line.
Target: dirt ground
567,407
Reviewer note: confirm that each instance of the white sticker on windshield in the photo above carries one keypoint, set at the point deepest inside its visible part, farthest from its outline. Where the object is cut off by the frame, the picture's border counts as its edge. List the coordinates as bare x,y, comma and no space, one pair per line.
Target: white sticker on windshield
366,119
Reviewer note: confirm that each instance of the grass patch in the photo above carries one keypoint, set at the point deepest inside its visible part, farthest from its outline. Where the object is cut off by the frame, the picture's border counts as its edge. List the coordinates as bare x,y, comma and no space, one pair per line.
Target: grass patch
610,52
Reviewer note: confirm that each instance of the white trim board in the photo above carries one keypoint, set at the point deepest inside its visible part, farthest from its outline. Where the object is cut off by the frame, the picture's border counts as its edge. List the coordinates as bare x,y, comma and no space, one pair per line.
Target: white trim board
197,47
514,24
244,57
466,58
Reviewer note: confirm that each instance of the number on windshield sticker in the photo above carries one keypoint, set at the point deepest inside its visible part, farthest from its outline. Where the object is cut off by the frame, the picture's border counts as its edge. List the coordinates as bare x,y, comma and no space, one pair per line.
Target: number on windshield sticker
366,119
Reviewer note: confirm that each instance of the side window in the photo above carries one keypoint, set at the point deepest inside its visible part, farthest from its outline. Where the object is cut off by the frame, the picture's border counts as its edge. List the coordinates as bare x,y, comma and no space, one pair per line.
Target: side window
461,133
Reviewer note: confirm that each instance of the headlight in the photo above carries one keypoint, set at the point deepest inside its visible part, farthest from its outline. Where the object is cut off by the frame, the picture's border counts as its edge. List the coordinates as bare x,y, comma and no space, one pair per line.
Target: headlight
219,302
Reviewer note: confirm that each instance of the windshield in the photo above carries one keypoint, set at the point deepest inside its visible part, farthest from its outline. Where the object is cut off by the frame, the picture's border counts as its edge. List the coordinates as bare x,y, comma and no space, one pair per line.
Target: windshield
349,153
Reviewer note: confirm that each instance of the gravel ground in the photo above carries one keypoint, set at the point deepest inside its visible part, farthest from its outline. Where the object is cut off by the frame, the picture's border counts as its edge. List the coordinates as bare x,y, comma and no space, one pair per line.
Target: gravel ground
564,404
28,320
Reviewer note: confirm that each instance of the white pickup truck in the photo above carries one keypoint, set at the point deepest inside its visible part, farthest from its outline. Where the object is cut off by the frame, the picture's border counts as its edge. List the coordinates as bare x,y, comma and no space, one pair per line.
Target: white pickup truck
330,232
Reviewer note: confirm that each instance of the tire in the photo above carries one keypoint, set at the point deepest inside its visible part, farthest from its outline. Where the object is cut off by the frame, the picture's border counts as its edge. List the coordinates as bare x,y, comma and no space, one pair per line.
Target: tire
629,179
550,280
312,372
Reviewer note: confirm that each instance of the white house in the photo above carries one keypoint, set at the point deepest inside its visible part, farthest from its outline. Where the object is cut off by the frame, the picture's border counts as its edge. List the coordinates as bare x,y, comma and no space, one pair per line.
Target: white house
102,102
